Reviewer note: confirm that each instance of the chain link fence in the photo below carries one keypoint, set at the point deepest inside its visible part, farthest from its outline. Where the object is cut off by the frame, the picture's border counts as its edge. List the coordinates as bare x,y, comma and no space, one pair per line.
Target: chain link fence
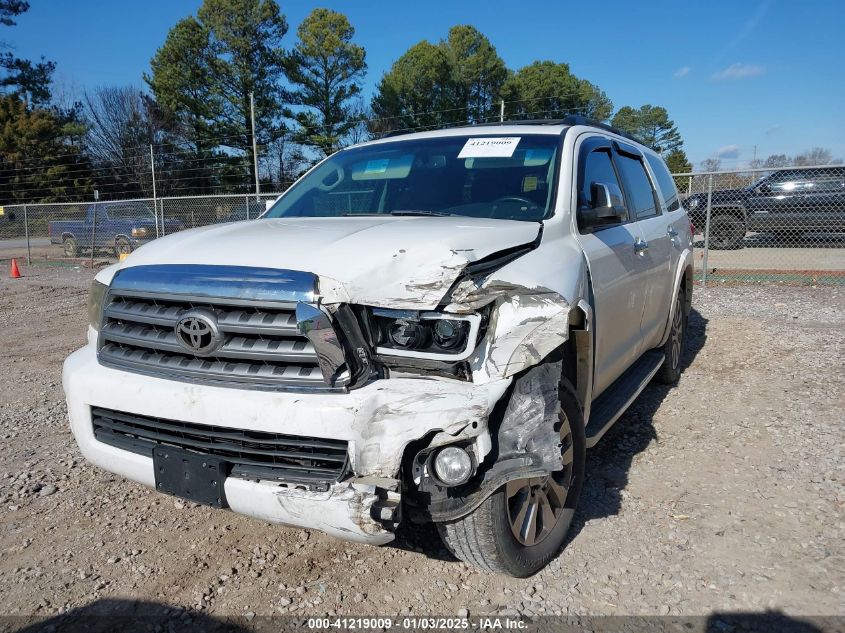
756,225
107,230
770,224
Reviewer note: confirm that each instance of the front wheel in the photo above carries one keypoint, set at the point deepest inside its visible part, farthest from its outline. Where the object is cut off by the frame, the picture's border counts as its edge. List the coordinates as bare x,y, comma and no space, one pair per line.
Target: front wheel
522,526
70,247
122,246
726,232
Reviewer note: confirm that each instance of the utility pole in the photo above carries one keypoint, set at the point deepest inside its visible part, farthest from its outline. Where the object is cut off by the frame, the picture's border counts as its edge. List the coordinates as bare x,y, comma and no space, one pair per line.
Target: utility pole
155,199
502,112
254,148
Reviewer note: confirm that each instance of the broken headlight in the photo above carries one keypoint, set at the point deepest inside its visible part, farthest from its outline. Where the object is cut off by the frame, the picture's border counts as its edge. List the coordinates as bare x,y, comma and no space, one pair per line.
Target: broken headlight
431,335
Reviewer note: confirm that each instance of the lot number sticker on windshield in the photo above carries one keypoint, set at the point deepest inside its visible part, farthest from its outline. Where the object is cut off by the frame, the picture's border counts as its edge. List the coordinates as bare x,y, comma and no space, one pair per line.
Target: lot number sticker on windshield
490,147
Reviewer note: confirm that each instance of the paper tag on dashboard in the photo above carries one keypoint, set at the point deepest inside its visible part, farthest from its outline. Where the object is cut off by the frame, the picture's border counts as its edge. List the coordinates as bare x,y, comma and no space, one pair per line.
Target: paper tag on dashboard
490,147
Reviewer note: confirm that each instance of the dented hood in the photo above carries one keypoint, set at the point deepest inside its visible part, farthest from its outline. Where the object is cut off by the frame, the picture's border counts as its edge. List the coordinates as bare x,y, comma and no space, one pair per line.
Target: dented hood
400,262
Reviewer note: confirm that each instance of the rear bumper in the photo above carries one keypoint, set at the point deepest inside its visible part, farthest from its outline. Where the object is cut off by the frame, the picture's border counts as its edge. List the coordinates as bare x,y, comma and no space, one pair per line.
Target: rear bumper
377,421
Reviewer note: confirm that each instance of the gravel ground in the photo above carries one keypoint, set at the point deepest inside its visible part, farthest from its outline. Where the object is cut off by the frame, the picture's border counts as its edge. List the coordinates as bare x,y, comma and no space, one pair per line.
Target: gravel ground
722,494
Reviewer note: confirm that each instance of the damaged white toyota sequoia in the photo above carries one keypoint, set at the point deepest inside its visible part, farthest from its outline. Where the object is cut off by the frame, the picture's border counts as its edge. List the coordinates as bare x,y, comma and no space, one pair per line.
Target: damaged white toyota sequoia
425,328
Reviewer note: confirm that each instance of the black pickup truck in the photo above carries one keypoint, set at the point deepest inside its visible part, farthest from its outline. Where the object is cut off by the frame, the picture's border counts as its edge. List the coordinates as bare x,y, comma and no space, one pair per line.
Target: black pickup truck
787,204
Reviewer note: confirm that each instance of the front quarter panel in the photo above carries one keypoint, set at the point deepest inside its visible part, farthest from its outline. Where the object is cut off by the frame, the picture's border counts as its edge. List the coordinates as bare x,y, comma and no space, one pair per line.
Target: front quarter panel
530,300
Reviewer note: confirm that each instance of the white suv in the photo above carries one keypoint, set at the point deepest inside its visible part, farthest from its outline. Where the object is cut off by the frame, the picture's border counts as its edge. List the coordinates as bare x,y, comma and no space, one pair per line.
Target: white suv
426,328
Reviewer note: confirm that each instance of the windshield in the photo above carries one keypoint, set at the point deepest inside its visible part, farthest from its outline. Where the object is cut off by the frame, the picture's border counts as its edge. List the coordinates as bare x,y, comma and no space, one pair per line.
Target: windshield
479,176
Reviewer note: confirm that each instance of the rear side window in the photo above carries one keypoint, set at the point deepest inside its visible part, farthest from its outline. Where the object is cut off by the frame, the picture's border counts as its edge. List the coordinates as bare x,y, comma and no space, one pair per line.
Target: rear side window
597,168
828,181
637,187
665,182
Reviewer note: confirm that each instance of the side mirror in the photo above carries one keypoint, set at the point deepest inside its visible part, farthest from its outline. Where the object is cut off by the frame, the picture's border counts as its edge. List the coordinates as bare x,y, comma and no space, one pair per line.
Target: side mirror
764,189
608,207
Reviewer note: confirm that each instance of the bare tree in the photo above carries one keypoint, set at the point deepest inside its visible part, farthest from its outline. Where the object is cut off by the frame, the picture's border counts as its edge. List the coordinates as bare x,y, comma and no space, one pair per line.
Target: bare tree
123,123
814,156
711,164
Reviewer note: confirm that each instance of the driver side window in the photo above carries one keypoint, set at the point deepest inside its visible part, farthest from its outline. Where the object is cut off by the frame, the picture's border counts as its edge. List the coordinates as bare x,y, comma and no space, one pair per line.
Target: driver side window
598,167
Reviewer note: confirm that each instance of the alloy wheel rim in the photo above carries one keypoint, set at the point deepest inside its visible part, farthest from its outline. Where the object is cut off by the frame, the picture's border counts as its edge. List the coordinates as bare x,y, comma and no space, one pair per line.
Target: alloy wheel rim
677,334
536,505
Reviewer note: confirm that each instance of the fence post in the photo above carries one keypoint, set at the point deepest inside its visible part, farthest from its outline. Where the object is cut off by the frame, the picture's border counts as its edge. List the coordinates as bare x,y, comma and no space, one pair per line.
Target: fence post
93,232
246,203
707,229
155,198
26,233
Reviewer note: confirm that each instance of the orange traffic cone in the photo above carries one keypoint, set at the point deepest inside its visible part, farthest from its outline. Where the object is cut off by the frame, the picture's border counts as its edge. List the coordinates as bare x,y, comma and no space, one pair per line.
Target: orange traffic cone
15,271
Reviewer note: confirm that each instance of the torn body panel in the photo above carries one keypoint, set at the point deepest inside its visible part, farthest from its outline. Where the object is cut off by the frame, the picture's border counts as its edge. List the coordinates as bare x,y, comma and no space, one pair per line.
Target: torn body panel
527,444
530,300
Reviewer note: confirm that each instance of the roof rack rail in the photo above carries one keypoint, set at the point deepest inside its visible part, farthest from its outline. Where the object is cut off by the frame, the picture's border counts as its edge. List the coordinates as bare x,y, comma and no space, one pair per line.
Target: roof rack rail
572,119
521,122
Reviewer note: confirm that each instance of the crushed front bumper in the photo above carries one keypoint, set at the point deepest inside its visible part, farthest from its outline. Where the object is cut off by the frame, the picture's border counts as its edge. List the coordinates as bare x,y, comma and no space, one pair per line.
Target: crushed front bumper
377,420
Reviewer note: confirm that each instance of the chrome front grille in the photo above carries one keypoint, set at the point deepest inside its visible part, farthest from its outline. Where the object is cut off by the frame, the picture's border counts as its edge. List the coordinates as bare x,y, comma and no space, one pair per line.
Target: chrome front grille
260,343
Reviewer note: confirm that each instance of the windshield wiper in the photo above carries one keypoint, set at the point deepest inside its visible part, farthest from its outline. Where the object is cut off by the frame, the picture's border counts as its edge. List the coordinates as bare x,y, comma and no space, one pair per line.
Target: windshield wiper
401,212
419,212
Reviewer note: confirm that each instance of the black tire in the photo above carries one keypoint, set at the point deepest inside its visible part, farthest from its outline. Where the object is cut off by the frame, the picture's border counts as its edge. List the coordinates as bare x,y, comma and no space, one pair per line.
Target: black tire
788,237
726,232
670,372
70,246
122,246
485,538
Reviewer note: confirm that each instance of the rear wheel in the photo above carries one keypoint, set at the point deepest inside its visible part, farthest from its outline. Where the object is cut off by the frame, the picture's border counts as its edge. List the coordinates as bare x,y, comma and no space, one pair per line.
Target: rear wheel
70,247
726,232
788,237
523,525
670,371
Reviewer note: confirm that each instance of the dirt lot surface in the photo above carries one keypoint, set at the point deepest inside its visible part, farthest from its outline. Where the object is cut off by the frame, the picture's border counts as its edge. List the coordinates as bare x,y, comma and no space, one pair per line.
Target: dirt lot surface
724,493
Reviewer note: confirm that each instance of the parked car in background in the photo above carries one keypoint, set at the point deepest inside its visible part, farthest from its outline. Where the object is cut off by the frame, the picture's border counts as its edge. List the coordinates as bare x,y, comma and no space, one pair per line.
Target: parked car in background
119,227
424,328
786,203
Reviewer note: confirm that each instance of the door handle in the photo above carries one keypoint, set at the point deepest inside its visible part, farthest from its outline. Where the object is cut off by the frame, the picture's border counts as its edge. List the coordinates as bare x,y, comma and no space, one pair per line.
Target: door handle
672,232
640,246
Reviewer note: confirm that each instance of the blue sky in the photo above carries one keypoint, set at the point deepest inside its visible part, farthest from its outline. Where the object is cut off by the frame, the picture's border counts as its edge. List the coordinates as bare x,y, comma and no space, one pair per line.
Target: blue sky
733,74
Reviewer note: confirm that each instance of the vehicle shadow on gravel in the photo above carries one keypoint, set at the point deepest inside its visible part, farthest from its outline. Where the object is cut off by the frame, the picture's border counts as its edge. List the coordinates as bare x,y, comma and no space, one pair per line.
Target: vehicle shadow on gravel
129,616
609,462
768,622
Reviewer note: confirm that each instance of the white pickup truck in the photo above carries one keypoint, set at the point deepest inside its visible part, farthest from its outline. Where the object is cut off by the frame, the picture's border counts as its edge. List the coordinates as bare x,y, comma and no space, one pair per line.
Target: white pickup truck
425,328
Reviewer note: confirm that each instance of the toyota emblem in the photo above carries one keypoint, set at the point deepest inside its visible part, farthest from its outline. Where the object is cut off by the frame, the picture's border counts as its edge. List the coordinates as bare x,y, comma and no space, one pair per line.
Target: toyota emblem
197,332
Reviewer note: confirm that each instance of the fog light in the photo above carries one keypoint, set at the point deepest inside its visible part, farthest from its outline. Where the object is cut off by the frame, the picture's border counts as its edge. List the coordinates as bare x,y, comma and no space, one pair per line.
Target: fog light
453,465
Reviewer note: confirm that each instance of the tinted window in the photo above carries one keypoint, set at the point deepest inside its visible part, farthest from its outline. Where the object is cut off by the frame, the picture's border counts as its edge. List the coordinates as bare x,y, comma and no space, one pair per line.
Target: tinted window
827,181
789,181
638,189
449,175
597,168
665,182
128,212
